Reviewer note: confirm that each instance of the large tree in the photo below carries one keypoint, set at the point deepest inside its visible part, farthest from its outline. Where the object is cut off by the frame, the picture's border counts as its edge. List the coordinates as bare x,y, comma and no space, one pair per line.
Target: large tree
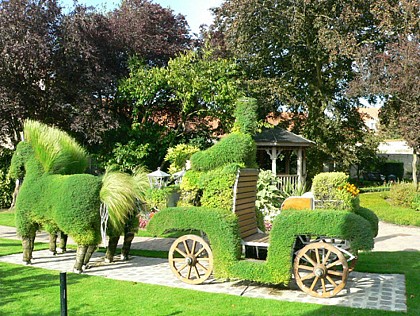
63,69
298,58
392,70
189,100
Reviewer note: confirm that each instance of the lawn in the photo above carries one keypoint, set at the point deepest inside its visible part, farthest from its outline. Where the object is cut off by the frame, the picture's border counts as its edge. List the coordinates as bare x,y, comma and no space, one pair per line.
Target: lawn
387,212
34,291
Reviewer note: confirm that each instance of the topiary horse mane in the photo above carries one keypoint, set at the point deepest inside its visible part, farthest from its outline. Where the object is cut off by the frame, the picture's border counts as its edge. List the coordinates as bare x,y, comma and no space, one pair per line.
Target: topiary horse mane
56,151
52,195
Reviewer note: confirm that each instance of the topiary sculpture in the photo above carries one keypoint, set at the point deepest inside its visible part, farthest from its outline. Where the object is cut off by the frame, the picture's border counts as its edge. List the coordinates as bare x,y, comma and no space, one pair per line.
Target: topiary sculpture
52,194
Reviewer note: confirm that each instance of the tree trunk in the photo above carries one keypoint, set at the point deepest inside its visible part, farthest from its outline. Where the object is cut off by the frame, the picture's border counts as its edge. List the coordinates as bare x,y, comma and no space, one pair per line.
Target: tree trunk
415,168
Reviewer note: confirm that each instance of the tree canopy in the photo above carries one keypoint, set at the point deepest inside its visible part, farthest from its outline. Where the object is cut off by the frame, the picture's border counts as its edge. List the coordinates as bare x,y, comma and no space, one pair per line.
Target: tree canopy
63,69
298,58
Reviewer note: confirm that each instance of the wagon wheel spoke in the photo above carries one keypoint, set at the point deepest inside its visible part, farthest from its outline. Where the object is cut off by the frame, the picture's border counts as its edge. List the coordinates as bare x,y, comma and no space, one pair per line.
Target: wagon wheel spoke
309,260
324,290
305,267
333,264
331,281
202,267
200,251
337,273
187,249
314,283
181,252
326,257
308,276
182,268
196,271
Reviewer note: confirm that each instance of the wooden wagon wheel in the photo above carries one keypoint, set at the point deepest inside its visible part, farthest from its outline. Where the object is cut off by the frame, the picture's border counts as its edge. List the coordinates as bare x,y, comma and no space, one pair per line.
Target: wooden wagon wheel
320,270
191,259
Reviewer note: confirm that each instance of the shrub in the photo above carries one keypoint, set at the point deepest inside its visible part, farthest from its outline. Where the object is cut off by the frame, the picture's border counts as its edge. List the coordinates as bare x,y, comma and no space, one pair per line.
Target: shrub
268,195
157,199
178,156
332,187
402,194
416,202
6,190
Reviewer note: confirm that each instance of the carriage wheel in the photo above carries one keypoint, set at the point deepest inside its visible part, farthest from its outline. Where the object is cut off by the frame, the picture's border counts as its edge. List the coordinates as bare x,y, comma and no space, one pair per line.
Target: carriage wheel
320,270
191,259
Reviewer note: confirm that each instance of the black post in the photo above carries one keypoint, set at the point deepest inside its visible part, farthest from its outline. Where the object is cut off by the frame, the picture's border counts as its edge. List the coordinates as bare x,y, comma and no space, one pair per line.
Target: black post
63,293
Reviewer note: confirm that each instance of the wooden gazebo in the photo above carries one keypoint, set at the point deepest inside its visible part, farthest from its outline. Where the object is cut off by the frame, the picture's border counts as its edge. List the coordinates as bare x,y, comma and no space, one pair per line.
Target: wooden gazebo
286,151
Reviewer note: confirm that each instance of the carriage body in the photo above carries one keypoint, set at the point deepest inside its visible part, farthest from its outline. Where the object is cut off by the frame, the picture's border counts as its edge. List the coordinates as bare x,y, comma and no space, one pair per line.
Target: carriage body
310,245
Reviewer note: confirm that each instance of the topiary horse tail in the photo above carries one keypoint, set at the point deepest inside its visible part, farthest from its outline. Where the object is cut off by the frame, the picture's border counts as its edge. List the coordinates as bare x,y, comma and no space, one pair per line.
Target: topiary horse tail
119,194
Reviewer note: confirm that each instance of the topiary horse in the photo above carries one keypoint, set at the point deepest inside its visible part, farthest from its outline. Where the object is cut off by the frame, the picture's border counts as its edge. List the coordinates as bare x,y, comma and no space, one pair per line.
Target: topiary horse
54,193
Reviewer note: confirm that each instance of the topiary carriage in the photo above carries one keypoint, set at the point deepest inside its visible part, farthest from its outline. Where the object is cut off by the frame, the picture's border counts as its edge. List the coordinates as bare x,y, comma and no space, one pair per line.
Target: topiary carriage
224,194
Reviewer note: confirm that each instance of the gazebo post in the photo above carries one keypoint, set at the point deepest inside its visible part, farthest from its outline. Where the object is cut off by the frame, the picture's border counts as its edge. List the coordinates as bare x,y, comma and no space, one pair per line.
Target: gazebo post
300,166
274,154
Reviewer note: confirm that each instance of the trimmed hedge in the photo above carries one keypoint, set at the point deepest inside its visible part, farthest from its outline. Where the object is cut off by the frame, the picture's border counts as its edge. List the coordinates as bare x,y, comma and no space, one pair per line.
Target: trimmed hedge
235,148
246,116
334,186
403,194
220,226
222,230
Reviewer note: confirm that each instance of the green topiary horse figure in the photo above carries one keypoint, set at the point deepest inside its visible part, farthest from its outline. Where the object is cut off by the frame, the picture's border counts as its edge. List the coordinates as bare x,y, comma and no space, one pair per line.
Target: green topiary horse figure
56,193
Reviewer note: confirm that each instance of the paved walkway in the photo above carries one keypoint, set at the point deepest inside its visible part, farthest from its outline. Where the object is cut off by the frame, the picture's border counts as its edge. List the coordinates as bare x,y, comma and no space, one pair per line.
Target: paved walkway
363,290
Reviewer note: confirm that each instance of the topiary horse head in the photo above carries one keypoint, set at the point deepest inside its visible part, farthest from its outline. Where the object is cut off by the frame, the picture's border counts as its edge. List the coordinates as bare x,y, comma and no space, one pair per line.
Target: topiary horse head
51,194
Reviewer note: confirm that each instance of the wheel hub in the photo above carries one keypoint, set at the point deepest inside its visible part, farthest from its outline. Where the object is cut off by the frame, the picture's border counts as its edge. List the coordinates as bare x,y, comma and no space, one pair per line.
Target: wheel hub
190,260
320,271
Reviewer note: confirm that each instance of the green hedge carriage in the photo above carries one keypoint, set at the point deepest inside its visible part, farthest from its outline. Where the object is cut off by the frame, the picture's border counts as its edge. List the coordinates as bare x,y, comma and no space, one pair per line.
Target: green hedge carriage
303,241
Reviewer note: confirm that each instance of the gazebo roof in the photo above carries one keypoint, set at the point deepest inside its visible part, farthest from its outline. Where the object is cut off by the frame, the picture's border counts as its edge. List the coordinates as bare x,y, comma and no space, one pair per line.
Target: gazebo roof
280,137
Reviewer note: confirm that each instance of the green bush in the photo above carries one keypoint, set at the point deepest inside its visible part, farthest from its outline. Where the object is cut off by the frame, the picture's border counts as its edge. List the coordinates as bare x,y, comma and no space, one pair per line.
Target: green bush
235,148
268,195
178,156
402,194
416,202
159,198
333,186
6,190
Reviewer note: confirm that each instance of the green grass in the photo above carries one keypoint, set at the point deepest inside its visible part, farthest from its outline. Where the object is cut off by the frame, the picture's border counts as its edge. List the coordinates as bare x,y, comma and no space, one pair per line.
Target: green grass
387,212
33,291
7,218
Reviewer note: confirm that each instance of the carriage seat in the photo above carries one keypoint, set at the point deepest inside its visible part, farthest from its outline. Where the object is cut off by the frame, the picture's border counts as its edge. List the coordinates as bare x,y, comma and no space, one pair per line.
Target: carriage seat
244,197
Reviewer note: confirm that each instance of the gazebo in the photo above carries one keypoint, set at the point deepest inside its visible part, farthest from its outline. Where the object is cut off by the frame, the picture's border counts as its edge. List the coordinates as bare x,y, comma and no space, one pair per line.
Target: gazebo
286,151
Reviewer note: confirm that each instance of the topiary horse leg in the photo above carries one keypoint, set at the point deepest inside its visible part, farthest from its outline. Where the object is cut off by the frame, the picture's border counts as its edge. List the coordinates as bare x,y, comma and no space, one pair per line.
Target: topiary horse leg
88,255
80,257
27,250
63,242
112,247
128,238
53,243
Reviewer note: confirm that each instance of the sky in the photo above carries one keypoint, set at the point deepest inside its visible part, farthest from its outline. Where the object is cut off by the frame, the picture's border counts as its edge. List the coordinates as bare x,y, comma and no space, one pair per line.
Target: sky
196,11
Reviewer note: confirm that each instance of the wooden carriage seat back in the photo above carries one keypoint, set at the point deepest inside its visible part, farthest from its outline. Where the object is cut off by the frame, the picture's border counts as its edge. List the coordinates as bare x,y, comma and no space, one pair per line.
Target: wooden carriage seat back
244,197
